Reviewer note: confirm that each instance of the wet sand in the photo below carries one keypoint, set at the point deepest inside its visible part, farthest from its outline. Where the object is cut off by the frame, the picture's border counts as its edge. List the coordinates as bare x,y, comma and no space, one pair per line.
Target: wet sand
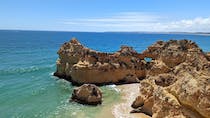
129,93
123,107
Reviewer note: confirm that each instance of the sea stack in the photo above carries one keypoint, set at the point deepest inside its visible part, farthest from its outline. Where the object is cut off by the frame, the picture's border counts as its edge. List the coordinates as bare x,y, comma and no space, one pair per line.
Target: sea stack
81,65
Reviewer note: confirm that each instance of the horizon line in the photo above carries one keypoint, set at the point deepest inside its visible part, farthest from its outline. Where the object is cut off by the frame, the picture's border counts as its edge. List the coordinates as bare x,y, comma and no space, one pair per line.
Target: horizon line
168,32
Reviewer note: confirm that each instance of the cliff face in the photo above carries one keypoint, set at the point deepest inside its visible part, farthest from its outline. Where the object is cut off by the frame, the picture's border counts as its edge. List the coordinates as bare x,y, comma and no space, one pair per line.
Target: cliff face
176,82
82,65
181,87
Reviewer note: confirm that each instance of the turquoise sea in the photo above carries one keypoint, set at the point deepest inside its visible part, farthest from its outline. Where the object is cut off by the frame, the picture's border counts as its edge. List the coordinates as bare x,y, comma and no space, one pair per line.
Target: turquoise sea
27,61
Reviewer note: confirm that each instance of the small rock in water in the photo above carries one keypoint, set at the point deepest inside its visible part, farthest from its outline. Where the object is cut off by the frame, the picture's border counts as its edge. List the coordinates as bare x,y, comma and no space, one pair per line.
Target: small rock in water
87,94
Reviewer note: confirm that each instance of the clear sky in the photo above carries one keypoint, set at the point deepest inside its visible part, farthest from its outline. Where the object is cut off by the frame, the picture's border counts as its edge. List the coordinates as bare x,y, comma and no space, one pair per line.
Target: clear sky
106,15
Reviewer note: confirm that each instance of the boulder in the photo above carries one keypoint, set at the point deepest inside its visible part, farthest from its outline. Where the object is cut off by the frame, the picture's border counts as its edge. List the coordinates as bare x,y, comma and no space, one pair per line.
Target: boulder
87,94
139,102
142,106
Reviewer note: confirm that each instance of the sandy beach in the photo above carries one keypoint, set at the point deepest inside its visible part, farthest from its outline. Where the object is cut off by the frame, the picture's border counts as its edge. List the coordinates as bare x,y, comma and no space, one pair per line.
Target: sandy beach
129,93
123,107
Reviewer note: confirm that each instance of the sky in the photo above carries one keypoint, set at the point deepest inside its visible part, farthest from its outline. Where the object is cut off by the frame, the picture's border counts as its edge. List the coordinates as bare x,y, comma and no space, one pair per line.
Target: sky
106,15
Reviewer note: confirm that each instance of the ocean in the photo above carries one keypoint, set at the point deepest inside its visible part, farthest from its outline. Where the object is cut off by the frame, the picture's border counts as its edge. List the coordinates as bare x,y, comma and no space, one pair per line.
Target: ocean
27,61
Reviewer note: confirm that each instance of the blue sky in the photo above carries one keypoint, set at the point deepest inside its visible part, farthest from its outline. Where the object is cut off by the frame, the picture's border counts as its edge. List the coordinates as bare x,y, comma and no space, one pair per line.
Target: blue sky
106,15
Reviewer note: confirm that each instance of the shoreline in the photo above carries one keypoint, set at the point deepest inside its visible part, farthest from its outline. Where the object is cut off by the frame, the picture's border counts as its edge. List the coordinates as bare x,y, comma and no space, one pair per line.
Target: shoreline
121,109
129,92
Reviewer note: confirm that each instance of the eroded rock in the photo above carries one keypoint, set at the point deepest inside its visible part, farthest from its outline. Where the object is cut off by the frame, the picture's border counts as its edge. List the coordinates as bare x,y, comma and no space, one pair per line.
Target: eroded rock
208,56
81,65
87,94
174,52
181,87
176,83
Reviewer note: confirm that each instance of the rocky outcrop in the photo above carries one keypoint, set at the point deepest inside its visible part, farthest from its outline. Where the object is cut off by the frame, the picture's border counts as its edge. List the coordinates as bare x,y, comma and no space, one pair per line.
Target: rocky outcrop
174,52
208,56
87,94
176,83
81,65
181,87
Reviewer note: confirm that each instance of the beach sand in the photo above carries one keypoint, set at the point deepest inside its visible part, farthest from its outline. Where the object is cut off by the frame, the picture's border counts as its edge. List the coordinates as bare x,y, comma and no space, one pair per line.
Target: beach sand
129,93
122,109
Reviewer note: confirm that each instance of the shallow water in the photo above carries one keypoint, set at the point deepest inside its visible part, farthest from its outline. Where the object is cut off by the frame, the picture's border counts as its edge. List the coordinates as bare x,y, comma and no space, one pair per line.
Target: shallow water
27,61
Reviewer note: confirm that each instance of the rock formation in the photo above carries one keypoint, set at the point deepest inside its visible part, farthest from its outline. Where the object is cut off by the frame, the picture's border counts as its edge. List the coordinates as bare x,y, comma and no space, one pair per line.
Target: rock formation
208,56
87,94
81,65
178,84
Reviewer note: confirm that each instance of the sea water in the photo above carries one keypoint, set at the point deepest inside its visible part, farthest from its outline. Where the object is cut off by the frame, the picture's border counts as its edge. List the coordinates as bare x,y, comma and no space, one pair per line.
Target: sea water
27,61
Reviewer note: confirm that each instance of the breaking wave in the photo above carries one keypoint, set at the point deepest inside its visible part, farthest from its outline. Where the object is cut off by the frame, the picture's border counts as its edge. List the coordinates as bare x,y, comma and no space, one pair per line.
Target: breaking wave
22,70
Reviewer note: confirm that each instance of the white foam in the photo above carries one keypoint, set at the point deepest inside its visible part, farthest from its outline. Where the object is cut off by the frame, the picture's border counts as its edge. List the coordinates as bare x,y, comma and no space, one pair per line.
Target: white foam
51,74
114,87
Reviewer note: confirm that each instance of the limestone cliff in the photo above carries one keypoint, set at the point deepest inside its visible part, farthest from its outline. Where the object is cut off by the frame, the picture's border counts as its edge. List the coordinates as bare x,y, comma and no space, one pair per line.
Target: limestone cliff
178,84
82,65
